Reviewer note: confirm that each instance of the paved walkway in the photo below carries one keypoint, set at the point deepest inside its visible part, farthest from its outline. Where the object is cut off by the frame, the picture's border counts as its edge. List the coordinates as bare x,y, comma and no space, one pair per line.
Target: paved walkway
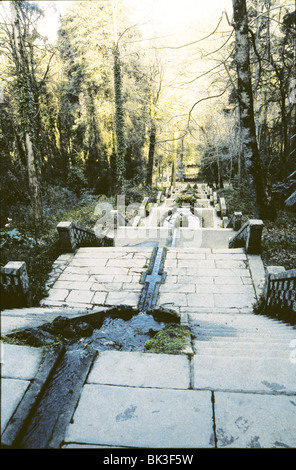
234,387
98,277
206,278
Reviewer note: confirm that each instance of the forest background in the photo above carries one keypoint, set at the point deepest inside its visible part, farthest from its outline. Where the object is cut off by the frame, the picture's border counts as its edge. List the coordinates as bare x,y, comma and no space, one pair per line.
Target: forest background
127,97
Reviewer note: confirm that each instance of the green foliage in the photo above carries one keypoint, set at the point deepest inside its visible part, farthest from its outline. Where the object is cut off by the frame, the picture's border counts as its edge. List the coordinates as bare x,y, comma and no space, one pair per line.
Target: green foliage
76,181
173,339
237,200
186,199
12,237
17,243
278,236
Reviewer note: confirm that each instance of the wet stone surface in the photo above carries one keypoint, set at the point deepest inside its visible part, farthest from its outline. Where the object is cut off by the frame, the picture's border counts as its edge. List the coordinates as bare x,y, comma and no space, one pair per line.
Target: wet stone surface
120,328
130,335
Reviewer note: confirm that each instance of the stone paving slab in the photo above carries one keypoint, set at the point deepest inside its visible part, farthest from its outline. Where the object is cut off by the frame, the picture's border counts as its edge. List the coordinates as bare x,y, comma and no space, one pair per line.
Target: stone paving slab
19,366
100,277
222,280
136,369
16,319
244,374
245,420
143,418
10,324
20,362
207,299
12,392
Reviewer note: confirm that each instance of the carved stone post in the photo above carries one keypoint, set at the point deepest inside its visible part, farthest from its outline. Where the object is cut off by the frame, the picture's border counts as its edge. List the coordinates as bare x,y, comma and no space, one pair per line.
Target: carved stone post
67,239
15,285
253,239
223,207
237,221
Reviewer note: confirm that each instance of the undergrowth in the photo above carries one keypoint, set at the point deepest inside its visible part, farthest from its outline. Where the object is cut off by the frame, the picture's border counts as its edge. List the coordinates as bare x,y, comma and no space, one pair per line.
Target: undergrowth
278,236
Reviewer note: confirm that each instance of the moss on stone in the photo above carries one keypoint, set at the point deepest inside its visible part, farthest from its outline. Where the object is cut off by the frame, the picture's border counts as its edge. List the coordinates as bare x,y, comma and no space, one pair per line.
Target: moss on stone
173,339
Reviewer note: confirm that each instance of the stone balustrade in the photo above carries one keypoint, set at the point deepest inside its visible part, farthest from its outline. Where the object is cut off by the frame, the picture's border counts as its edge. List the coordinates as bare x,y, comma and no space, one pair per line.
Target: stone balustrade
73,236
280,290
234,222
249,237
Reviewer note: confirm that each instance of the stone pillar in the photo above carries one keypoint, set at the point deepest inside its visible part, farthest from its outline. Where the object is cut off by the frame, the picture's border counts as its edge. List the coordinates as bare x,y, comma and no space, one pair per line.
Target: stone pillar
67,239
142,209
15,285
225,221
253,239
237,221
223,207
158,199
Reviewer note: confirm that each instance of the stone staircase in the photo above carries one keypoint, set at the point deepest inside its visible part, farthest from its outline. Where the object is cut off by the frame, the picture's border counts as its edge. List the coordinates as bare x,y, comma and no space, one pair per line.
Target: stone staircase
248,353
209,280
235,386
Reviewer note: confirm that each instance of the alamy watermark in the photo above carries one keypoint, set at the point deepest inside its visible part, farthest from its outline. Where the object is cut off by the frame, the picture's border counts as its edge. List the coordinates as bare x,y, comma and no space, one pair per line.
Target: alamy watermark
163,222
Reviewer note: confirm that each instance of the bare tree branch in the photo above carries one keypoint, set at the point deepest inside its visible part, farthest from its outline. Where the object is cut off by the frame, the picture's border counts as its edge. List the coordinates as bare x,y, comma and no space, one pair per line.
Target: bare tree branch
194,42
204,99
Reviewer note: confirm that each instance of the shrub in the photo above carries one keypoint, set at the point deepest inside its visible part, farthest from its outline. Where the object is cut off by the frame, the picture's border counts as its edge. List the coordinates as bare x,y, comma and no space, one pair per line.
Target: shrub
76,180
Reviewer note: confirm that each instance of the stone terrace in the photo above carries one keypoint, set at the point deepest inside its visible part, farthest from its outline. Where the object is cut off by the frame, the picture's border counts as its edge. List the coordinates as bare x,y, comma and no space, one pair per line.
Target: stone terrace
98,277
207,279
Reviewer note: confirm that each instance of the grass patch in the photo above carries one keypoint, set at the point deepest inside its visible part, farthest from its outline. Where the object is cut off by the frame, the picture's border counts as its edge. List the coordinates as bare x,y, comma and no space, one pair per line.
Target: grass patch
173,339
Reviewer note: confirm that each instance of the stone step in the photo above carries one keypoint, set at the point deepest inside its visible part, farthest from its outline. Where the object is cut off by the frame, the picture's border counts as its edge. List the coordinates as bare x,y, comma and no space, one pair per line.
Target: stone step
198,345
208,250
257,375
234,320
244,338
273,325
249,353
223,330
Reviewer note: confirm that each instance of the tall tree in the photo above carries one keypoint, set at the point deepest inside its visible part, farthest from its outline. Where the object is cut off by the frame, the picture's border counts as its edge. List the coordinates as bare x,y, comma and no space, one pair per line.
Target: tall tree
119,110
26,102
252,161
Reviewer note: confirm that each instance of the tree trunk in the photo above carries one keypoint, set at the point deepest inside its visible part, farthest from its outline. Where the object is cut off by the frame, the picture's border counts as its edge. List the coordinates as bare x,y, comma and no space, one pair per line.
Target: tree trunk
27,118
174,164
152,140
252,162
36,203
119,123
119,111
